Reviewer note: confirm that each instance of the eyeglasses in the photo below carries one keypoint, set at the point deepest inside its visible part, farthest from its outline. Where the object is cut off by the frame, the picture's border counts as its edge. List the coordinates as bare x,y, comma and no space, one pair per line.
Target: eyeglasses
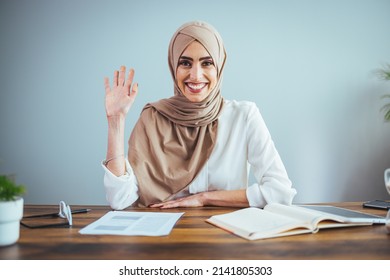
65,212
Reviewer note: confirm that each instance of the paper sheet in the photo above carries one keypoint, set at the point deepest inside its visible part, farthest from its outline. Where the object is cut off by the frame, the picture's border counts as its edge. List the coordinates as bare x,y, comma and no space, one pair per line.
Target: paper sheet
133,223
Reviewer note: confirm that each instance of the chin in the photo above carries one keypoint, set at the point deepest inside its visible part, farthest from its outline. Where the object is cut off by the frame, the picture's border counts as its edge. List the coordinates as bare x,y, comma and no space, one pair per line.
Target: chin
195,98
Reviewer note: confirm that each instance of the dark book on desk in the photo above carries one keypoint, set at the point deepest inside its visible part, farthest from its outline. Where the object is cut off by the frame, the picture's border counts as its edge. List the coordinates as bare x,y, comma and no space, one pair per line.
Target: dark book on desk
277,220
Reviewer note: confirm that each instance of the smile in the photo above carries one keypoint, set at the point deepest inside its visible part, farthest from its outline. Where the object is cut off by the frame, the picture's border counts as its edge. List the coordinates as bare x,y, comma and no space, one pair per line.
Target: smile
196,87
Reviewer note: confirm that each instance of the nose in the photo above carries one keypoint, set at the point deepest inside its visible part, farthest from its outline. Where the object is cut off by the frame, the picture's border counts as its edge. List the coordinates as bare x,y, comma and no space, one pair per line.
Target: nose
196,72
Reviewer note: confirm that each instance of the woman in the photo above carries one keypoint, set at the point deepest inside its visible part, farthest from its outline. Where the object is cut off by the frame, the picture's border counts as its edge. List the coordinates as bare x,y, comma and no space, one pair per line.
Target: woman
192,149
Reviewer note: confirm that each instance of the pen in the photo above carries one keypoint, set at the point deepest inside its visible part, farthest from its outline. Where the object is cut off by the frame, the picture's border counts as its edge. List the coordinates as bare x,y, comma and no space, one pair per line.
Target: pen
84,210
76,211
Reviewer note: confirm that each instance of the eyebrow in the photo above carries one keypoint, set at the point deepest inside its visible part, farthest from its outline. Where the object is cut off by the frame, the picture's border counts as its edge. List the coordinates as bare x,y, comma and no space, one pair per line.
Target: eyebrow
202,58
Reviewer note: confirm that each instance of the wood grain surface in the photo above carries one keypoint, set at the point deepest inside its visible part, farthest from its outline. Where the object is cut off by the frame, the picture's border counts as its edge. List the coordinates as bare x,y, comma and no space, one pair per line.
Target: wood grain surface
193,238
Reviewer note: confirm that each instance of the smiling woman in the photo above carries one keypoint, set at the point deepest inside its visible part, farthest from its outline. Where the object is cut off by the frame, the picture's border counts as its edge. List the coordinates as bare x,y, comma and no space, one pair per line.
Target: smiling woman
194,148
196,74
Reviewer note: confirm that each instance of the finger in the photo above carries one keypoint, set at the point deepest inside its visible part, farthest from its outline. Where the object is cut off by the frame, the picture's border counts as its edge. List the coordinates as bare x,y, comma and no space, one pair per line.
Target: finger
170,205
134,90
129,80
131,75
107,85
180,202
122,73
116,74
157,205
162,204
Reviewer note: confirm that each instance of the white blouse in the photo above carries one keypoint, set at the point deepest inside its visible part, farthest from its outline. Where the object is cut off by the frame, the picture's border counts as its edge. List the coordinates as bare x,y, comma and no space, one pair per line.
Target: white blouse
243,142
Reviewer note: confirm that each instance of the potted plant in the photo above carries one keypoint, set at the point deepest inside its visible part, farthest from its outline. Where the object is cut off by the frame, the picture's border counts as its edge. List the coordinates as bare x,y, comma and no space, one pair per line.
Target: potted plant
384,74
11,210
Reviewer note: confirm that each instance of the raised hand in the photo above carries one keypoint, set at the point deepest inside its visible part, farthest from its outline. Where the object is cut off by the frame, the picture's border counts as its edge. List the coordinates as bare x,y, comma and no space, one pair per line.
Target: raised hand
120,97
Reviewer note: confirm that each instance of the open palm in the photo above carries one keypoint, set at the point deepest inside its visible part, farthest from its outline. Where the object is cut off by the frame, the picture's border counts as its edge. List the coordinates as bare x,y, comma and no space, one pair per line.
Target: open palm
121,95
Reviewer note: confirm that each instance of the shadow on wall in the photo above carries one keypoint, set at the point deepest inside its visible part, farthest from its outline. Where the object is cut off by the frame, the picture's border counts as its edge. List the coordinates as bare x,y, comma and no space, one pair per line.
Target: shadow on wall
370,149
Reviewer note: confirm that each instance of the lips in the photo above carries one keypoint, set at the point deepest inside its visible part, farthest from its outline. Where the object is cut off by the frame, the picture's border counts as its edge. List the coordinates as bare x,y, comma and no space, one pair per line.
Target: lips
196,87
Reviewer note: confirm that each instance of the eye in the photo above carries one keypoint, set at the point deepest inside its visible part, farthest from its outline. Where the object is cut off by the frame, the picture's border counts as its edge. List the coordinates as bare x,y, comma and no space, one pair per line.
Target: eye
184,63
207,63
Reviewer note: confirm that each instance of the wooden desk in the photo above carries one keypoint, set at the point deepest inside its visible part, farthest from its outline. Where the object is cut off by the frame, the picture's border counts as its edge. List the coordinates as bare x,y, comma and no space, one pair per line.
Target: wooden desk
193,238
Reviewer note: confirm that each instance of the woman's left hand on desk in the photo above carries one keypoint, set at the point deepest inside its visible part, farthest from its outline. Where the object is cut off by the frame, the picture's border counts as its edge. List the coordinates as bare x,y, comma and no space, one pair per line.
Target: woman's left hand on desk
195,200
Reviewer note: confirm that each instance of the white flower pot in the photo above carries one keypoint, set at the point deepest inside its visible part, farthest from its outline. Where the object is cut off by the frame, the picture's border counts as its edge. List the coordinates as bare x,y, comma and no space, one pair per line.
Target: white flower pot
11,212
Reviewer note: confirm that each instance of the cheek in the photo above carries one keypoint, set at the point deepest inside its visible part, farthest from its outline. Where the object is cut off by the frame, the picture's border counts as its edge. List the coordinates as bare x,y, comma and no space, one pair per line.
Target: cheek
180,76
213,78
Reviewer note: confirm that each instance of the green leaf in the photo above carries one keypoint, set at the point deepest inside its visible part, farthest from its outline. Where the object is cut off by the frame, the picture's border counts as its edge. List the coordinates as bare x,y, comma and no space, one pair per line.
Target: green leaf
384,73
9,190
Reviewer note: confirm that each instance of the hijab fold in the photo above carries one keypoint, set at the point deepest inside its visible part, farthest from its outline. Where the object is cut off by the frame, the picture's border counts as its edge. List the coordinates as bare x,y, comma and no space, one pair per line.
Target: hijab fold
174,137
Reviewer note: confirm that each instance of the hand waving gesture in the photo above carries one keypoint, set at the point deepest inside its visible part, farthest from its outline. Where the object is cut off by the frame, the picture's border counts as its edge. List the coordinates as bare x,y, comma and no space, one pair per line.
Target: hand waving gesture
121,95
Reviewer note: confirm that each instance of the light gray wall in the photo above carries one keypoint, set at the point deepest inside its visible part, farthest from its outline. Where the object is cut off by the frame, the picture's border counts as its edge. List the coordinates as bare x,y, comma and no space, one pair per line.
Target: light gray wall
307,64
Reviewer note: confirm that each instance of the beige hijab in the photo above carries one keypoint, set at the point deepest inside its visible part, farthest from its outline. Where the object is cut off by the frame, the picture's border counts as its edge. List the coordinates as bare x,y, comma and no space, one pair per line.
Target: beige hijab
174,137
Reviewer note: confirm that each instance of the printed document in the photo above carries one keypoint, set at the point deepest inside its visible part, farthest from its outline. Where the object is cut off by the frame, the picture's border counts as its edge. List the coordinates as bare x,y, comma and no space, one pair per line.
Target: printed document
133,223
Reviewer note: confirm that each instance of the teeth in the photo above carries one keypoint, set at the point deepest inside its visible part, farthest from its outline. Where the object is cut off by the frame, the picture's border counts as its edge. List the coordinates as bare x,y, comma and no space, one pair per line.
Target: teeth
196,86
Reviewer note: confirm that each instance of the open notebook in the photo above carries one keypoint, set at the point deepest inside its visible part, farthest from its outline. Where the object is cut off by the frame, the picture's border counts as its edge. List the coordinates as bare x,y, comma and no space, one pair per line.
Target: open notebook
277,220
